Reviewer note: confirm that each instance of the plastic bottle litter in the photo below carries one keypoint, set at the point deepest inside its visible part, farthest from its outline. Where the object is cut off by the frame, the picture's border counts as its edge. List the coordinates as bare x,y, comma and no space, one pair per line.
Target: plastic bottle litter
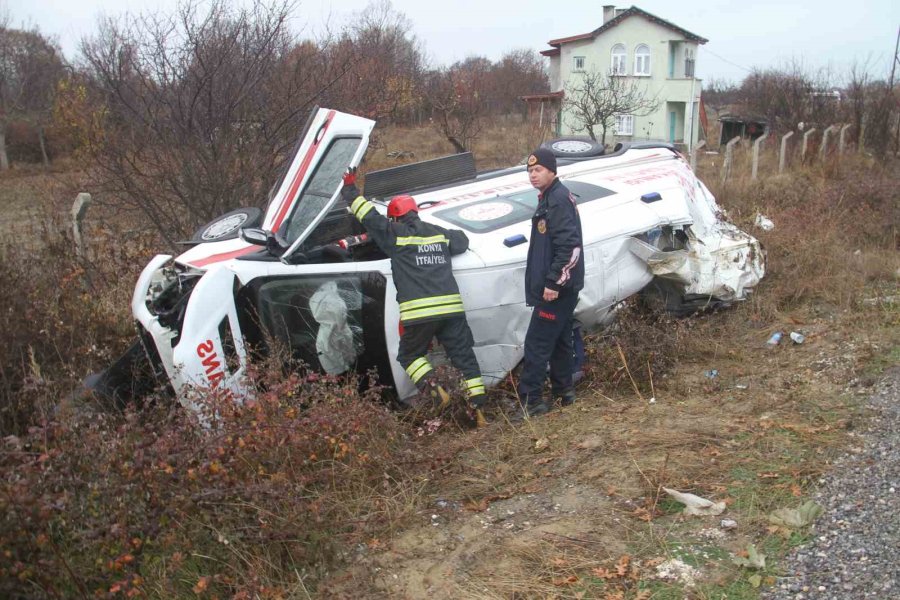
712,373
774,339
797,337
764,222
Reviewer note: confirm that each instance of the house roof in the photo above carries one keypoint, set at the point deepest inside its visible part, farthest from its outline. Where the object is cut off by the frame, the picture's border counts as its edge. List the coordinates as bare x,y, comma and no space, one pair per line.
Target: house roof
630,12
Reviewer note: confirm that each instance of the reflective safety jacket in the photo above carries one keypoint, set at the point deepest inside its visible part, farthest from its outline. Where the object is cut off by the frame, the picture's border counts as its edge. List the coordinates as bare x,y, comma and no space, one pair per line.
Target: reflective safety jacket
420,260
555,254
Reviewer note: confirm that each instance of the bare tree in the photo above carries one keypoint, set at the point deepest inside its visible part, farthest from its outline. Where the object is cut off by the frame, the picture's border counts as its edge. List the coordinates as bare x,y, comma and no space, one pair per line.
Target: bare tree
200,108
518,73
457,101
857,91
30,68
385,64
880,116
719,93
593,101
791,95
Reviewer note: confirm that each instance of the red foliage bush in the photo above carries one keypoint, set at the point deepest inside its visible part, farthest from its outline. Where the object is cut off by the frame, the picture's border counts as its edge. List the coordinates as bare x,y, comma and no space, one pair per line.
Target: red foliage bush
158,503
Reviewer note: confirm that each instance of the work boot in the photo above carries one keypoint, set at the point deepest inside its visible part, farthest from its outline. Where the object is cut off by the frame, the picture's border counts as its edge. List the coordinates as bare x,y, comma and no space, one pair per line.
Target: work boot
435,394
566,398
475,404
533,407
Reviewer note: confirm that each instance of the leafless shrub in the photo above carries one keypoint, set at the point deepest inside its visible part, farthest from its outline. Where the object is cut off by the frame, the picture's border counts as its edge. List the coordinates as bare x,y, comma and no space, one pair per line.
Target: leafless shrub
595,99
199,109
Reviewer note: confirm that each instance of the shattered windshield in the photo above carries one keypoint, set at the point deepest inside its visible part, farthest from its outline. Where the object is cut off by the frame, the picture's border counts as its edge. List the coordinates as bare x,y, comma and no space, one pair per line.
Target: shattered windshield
323,184
502,211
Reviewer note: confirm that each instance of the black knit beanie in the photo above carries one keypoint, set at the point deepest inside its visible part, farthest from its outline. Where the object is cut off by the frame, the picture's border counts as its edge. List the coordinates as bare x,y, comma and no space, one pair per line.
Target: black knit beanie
543,157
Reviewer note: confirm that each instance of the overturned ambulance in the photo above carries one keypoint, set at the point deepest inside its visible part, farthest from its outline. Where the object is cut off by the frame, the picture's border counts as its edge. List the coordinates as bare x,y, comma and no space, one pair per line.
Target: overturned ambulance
301,275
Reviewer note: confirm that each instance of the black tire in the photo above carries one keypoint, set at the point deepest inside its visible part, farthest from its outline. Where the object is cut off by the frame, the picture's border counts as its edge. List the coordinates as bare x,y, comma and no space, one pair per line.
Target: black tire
227,226
129,379
574,147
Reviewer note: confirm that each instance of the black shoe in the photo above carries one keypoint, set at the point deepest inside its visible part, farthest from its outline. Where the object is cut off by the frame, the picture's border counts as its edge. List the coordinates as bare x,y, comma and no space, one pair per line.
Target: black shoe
565,398
534,409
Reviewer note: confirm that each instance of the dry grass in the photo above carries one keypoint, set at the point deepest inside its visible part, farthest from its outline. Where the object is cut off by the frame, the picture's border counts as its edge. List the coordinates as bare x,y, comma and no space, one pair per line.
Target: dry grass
505,141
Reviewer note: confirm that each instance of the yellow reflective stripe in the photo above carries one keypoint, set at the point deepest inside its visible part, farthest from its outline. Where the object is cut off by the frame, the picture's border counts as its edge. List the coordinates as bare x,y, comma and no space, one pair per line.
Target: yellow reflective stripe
431,312
418,369
361,207
475,386
431,301
418,241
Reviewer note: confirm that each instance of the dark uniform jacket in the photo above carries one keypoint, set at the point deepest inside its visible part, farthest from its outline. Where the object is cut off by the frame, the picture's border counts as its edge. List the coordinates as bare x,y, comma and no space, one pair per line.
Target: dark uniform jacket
420,260
556,252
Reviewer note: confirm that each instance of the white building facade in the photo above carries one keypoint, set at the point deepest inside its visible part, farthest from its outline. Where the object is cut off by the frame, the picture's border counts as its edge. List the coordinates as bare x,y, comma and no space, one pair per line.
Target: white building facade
657,55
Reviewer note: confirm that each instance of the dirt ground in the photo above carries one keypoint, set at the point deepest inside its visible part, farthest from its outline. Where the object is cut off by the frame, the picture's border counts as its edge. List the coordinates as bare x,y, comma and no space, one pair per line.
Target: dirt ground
552,507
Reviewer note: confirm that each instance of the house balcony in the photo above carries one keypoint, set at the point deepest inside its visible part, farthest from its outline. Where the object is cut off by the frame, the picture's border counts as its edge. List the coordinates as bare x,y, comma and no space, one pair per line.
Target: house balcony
679,89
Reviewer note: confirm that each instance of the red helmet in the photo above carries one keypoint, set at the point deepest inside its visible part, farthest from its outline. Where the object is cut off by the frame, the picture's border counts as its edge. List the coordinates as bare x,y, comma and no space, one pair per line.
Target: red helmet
400,205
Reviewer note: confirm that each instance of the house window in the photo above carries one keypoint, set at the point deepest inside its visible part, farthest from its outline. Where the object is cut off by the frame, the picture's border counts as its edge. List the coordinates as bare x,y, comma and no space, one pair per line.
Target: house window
624,125
642,60
688,63
618,60
579,63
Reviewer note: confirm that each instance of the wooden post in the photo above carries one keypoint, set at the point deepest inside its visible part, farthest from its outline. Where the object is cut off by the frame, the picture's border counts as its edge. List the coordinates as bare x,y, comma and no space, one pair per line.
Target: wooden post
79,208
782,157
756,145
699,145
729,152
806,143
823,147
843,138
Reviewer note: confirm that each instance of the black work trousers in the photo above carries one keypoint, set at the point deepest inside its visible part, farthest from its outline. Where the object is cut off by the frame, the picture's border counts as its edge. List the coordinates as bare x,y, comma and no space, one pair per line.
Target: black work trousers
549,339
454,335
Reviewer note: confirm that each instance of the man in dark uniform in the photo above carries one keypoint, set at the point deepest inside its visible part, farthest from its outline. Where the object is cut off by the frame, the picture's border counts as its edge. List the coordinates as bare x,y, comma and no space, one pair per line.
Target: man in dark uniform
429,299
553,276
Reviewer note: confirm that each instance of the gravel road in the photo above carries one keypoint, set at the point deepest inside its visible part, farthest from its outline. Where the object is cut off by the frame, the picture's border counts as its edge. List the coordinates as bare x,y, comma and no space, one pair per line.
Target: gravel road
855,545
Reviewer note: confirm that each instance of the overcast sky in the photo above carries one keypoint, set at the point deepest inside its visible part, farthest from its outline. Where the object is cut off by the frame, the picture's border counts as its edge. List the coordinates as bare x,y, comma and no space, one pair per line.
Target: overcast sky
742,34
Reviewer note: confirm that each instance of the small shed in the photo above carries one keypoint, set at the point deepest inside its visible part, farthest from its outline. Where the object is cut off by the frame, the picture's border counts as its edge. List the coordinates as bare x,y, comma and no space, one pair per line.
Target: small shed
745,126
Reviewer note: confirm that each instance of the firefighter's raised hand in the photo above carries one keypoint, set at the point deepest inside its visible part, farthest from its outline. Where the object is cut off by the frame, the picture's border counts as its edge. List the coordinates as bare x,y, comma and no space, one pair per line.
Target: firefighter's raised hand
350,192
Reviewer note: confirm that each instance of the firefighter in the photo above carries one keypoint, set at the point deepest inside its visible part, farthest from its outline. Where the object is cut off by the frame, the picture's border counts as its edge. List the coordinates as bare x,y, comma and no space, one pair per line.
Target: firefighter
429,299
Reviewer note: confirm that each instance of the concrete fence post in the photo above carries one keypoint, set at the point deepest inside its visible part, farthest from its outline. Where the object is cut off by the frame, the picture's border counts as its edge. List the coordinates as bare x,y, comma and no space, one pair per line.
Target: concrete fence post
823,147
756,145
782,158
729,154
699,145
79,209
842,140
806,143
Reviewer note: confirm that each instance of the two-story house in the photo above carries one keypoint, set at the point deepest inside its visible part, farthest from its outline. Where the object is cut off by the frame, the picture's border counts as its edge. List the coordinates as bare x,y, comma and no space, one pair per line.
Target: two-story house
631,43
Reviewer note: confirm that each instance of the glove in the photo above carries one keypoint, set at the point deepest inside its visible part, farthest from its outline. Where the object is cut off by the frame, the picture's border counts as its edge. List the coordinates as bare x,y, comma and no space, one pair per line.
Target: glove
350,192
